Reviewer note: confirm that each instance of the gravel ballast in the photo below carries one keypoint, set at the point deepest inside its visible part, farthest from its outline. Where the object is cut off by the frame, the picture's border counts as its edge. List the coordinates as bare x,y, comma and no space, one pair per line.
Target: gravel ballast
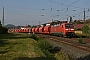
70,50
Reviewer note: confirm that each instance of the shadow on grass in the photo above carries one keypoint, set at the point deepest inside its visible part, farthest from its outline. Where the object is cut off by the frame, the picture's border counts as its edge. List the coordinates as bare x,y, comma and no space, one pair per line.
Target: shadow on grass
85,58
55,50
13,36
5,36
17,37
3,52
36,58
3,42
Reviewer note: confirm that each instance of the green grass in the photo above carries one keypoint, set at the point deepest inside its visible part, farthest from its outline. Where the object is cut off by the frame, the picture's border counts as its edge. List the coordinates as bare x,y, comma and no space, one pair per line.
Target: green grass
19,46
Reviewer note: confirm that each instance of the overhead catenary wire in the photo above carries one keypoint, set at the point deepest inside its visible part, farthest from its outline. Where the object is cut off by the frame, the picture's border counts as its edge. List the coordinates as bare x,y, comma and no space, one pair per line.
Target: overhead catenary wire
66,7
69,6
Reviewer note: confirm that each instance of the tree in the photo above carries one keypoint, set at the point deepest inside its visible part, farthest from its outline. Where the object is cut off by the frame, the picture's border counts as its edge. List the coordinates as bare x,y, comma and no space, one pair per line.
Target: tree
29,25
56,23
75,28
78,22
85,29
88,21
0,23
3,30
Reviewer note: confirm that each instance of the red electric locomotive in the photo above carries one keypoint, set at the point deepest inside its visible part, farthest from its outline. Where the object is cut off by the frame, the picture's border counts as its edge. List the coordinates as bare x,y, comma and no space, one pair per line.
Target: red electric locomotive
65,29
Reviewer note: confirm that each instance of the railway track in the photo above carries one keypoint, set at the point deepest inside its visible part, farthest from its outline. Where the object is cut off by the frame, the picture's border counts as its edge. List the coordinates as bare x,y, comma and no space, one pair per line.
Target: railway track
70,41
80,46
83,38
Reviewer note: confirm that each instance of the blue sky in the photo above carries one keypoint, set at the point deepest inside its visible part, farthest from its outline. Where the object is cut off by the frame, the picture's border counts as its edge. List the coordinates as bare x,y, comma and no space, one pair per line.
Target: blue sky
22,12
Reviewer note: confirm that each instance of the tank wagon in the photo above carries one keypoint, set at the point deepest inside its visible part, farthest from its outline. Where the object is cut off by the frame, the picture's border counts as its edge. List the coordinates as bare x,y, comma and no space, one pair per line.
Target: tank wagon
36,30
47,29
41,30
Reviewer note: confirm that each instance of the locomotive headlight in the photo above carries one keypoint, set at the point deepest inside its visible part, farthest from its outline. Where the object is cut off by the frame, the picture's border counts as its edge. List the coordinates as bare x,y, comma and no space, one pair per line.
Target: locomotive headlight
72,29
66,29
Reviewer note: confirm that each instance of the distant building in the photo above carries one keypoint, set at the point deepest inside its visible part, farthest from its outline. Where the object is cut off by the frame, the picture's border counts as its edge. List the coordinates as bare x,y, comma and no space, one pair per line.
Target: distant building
78,26
79,21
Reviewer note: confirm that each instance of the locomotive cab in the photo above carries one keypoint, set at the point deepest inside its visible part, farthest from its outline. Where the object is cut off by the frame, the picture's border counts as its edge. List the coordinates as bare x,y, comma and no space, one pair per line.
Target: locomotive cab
69,29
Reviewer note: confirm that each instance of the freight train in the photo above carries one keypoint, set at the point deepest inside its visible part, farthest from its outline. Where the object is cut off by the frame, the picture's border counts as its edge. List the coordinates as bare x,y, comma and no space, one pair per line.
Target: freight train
64,29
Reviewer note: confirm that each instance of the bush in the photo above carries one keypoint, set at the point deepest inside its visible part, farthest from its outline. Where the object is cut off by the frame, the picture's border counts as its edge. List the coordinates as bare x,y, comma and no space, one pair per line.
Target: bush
49,55
85,29
46,48
75,28
44,45
80,40
35,37
3,30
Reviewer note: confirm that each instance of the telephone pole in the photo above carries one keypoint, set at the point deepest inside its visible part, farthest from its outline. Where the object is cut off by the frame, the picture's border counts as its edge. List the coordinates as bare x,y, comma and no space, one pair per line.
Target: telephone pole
3,18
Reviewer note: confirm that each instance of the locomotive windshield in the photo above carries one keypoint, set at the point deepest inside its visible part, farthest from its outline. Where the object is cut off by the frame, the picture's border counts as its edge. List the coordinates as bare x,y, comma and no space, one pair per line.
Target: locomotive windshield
69,25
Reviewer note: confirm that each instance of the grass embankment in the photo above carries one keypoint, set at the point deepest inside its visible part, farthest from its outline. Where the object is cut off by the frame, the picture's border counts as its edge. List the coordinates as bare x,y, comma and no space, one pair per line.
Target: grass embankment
19,46
23,47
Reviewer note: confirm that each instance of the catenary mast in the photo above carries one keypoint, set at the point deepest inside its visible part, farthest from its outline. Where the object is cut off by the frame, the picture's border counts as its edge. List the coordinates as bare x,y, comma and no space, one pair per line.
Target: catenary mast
3,18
